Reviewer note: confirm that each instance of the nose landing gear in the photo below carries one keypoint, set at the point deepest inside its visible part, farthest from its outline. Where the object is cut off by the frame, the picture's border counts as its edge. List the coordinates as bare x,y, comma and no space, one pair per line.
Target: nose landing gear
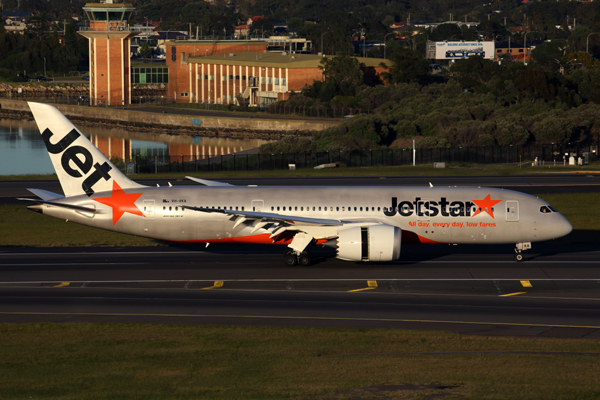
520,247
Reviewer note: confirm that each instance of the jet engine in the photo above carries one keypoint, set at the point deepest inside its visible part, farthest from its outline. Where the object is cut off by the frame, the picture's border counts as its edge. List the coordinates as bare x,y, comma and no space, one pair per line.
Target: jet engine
369,243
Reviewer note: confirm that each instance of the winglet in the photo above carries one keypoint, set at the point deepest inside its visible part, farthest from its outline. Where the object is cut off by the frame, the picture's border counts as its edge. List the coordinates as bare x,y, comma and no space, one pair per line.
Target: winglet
207,182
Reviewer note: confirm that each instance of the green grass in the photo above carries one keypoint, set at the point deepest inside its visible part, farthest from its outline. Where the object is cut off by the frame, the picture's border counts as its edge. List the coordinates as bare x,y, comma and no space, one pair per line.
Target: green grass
21,227
452,169
123,361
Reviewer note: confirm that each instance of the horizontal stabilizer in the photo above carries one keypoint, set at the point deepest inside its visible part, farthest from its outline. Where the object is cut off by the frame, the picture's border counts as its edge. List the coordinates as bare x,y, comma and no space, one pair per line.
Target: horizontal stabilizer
207,182
63,205
45,194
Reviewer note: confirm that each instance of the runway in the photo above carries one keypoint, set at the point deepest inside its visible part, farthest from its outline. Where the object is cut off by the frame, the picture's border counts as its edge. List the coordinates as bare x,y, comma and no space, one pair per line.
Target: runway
467,289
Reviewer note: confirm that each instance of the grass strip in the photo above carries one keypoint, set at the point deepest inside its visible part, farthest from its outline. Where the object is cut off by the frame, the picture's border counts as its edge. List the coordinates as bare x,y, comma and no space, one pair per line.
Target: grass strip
21,227
126,361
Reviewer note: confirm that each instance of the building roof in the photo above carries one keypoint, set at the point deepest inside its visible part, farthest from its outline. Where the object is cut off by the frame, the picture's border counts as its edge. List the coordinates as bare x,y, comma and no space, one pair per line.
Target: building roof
107,5
199,42
274,60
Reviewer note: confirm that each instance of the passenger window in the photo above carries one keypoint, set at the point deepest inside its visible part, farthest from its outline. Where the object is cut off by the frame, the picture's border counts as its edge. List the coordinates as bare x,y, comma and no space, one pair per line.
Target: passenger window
277,208
337,209
378,208
319,208
355,208
301,208
242,208
295,208
314,208
272,208
170,208
164,208
361,209
283,208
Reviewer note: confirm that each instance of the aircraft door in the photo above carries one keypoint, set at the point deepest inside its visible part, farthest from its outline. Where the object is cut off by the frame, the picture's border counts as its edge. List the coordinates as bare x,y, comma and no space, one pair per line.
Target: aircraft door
512,210
149,209
258,205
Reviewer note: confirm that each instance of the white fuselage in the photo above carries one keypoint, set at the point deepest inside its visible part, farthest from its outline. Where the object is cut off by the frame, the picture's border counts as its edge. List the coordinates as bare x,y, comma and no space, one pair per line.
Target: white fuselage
424,214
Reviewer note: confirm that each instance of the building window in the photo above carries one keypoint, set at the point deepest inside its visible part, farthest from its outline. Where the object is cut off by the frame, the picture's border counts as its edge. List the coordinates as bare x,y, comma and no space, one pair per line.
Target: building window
224,78
184,94
270,81
263,80
283,82
277,81
212,77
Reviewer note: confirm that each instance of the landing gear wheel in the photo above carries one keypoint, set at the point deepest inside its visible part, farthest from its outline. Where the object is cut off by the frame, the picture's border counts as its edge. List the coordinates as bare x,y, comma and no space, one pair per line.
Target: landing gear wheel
305,259
519,257
290,259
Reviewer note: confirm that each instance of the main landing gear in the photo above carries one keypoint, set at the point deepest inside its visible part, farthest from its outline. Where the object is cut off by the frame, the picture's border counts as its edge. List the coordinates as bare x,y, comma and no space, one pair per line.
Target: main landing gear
520,247
291,259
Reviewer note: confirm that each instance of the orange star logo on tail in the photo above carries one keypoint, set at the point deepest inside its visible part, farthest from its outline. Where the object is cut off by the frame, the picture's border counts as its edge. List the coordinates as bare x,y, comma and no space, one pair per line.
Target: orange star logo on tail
485,205
121,202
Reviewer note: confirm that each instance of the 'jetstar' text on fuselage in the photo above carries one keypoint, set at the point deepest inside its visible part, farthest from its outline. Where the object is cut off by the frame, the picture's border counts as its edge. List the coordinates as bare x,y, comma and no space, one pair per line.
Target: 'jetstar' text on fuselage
430,208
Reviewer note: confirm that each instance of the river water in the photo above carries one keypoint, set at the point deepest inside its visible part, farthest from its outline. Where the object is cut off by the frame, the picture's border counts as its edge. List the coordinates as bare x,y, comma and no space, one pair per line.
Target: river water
22,149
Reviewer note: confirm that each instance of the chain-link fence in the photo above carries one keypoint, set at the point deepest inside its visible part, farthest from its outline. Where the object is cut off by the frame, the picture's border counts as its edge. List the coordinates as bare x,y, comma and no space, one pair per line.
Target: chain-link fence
536,154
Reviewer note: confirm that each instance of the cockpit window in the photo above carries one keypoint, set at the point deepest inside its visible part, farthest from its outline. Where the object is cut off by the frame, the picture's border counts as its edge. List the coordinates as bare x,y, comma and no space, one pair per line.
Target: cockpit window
552,208
545,209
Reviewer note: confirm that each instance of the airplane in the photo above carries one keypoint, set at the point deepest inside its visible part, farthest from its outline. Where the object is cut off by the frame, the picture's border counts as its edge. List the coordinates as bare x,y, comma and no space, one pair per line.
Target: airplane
363,224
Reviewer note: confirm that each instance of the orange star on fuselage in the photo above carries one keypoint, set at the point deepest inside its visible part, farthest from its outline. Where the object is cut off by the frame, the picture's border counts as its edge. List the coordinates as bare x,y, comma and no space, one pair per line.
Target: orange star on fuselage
121,202
485,205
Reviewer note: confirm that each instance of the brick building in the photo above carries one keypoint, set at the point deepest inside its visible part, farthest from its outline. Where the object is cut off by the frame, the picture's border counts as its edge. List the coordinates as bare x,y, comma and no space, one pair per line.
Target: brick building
109,40
247,77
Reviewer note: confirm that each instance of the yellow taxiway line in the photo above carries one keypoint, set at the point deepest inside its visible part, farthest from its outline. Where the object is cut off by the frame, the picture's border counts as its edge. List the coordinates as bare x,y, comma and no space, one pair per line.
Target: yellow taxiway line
372,285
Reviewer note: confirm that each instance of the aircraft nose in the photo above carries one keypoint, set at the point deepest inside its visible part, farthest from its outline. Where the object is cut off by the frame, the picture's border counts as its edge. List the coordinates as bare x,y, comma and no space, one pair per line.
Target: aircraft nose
564,227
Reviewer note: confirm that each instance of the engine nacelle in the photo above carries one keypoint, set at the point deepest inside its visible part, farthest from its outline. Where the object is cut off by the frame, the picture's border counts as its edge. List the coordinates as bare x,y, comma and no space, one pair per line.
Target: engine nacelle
369,243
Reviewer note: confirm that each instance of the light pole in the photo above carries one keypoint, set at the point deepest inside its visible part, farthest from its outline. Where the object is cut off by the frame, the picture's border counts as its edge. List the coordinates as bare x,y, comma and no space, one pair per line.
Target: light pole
323,48
525,46
364,47
587,41
385,43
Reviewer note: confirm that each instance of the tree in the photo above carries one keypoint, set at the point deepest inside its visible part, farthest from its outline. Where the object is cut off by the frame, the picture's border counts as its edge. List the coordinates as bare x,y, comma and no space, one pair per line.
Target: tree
145,50
548,55
475,71
342,77
261,27
406,67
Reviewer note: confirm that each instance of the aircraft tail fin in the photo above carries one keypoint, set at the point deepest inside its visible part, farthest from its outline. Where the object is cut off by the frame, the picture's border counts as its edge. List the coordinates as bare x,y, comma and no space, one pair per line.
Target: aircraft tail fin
80,166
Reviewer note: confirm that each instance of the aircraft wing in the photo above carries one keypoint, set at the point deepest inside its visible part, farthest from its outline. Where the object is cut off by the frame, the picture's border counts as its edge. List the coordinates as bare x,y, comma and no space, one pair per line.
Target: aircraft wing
270,217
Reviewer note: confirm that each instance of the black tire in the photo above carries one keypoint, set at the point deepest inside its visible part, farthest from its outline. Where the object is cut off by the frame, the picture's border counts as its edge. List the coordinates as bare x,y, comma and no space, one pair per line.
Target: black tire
290,260
305,259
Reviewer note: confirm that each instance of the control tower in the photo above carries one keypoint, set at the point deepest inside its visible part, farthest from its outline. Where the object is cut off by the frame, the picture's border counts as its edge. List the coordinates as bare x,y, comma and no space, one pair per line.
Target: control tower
109,38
